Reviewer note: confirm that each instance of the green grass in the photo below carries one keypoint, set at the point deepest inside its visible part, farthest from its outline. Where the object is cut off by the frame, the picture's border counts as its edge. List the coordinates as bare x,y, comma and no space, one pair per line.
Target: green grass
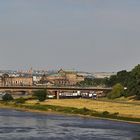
70,110
81,111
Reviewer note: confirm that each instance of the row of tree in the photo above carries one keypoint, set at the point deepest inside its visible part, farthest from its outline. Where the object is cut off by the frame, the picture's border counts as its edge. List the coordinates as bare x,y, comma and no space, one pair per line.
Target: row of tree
92,82
128,79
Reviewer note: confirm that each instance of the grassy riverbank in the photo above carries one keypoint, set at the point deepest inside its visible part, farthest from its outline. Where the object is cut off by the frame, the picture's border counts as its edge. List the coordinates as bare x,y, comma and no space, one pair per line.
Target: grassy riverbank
73,107
126,109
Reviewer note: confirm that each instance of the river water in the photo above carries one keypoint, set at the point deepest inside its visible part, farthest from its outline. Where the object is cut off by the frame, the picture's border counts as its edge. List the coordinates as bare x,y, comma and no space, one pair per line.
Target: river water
16,125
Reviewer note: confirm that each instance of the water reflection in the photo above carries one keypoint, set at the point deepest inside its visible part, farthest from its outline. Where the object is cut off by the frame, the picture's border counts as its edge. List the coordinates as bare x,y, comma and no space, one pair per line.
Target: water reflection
15,125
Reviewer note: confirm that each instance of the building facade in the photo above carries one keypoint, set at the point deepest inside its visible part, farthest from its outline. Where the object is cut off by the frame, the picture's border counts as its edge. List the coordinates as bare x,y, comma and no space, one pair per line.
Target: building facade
6,80
68,78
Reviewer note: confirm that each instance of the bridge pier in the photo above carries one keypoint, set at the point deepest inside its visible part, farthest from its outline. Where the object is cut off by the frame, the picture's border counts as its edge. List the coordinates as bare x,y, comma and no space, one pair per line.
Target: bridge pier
57,95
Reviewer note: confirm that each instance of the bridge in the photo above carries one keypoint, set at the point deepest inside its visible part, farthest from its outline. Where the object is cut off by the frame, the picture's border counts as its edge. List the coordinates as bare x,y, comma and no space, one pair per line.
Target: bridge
53,89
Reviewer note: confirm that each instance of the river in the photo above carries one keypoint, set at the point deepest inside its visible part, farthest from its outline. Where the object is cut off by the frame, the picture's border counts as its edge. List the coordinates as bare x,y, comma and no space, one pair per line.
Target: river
16,125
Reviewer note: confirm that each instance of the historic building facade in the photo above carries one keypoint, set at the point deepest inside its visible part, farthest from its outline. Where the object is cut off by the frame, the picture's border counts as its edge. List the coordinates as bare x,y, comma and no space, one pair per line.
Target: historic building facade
6,80
63,78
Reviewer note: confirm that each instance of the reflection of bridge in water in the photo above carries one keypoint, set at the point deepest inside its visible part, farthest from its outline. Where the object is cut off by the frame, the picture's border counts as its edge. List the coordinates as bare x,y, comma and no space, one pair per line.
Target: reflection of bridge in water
52,89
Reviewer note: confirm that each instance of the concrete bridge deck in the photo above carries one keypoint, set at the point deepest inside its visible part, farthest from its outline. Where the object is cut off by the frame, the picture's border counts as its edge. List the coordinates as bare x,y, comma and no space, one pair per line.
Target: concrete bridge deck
54,88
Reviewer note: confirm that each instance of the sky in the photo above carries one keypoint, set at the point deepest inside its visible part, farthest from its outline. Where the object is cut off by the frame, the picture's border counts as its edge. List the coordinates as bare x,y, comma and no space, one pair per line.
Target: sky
86,35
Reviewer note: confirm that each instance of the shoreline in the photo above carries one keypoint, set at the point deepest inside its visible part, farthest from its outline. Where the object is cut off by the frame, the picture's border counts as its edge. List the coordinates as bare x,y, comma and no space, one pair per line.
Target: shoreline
51,112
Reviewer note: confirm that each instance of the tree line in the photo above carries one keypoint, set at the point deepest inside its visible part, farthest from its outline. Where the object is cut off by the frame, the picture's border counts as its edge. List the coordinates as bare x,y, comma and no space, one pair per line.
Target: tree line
128,80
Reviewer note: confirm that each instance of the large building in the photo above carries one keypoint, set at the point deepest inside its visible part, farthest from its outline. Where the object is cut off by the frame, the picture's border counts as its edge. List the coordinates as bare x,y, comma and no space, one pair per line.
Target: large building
63,78
6,80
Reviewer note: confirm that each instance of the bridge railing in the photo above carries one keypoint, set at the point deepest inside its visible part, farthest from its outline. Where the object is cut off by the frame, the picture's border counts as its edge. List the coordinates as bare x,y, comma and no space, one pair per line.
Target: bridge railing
56,87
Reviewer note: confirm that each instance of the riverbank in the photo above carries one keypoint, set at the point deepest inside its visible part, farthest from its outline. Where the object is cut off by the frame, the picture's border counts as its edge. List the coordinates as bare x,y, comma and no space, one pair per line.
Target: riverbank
122,108
72,111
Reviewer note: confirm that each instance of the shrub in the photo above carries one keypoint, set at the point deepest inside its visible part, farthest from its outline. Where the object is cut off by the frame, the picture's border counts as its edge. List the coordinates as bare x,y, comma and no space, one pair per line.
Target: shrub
116,113
20,100
40,95
7,97
105,113
117,91
85,109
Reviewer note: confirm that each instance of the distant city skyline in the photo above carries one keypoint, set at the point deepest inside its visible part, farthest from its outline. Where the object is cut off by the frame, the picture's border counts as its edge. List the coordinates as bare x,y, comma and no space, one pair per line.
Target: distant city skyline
85,35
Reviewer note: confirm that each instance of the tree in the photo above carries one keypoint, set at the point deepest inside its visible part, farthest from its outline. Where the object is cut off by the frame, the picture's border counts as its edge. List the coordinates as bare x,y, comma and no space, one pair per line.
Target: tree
7,97
111,81
92,82
116,92
41,95
122,77
134,82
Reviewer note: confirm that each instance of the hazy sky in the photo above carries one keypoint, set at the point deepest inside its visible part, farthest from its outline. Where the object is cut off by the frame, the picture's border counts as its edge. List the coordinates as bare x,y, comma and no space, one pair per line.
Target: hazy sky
89,35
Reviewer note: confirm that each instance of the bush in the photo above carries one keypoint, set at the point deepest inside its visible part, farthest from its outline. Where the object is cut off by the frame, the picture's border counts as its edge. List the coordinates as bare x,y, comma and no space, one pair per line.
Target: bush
7,97
125,94
20,100
116,114
41,95
86,109
117,91
105,113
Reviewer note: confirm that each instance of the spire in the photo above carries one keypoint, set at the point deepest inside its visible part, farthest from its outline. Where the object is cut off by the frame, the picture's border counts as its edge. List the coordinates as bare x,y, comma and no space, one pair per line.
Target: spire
30,71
